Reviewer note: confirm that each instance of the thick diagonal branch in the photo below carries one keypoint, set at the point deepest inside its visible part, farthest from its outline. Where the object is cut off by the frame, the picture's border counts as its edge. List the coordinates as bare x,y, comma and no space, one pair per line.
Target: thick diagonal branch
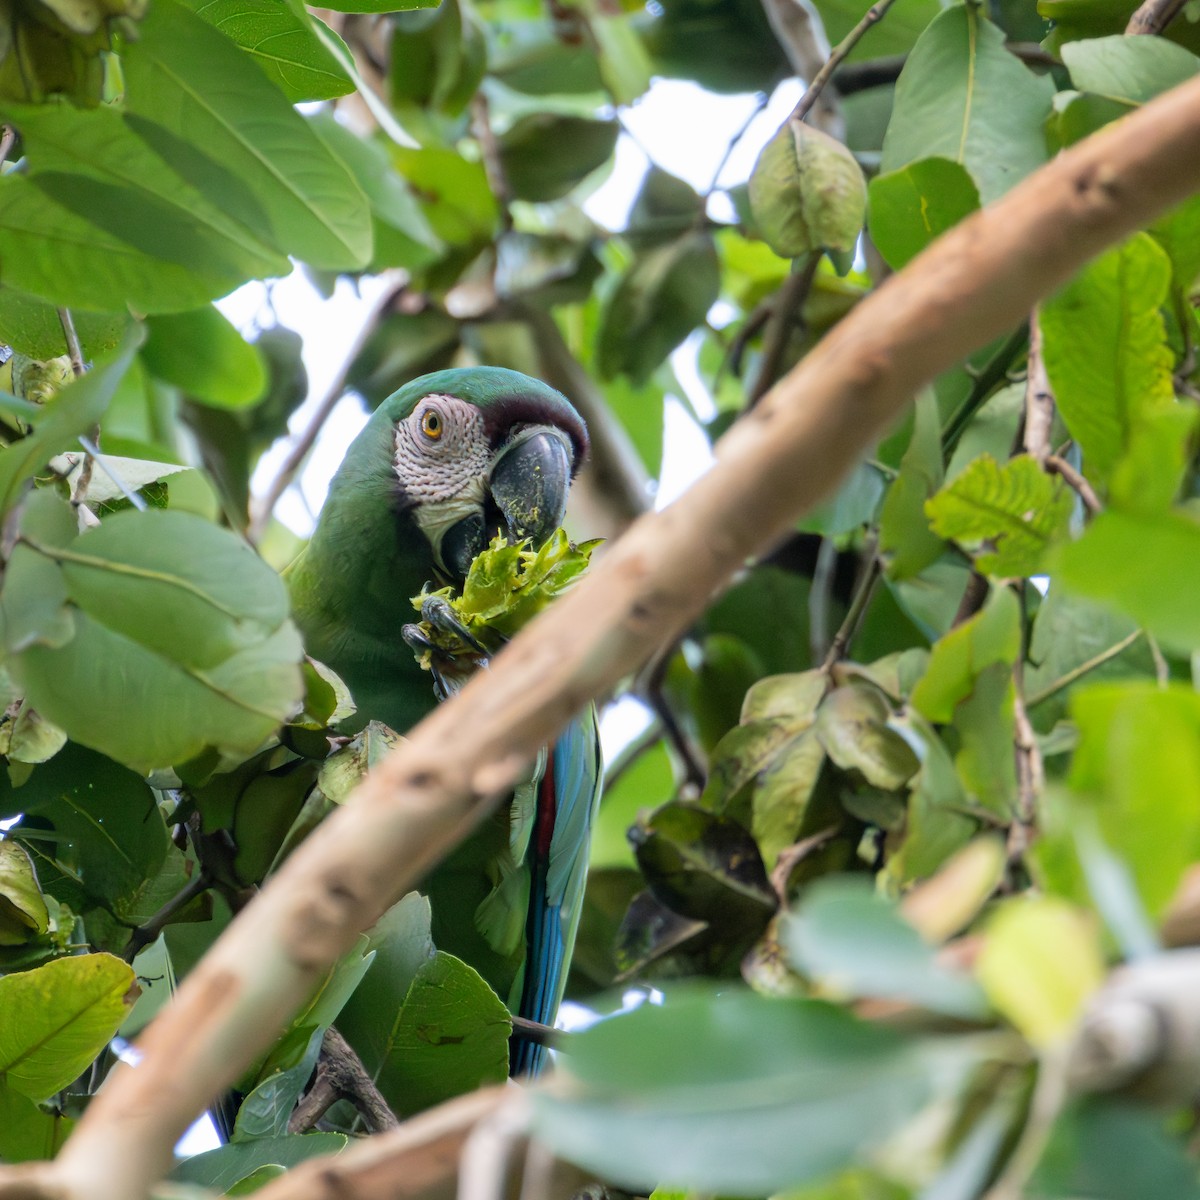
972,285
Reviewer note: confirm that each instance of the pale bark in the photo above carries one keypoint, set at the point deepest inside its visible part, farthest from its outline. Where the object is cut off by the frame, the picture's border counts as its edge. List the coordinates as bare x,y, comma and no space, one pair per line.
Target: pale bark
974,284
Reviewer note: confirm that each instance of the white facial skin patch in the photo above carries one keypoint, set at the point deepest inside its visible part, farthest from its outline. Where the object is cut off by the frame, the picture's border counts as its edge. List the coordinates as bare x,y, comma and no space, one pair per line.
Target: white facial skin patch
441,458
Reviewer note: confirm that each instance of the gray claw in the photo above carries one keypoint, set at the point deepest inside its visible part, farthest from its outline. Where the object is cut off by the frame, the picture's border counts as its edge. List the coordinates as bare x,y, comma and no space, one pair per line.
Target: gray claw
415,639
440,615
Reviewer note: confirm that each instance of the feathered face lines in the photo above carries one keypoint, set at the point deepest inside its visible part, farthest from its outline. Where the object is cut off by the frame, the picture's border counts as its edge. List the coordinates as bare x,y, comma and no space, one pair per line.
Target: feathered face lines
467,468
441,448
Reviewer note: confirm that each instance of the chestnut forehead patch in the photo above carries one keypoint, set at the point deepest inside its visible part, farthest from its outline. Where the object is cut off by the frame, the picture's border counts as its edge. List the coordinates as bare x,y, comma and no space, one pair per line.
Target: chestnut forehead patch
435,469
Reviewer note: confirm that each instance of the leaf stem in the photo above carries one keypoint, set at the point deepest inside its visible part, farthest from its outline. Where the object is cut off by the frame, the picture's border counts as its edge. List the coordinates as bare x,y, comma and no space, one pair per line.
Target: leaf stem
994,370
1075,481
872,16
74,350
306,439
858,605
788,301
1153,16
1076,673
145,933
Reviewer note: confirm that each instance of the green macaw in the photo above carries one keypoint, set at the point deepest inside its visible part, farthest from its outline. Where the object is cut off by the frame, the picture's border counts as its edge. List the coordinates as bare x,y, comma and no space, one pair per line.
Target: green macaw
444,465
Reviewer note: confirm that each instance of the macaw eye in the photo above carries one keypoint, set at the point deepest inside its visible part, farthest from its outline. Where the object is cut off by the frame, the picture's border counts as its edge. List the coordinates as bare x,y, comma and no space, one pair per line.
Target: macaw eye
431,424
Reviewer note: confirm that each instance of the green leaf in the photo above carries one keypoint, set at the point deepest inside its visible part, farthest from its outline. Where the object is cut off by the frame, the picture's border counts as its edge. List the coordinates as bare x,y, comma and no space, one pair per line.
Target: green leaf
23,913
1078,115
1068,633
1018,507
1138,764
625,66
1178,233
403,236
732,1094
910,207
904,533
265,1111
705,867
969,681
782,793
56,1018
279,36
1106,353
402,944
852,724
58,256
1112,1148
1132,69
659,300
936,826
807,192
1158,595
127,683
105,821
227,1166
645,785
378,6
1040,962
31,326
959,658
28,1133
134,195
964,97
853,943
454,193
544,155
449,1037
78,407
202,354
201,90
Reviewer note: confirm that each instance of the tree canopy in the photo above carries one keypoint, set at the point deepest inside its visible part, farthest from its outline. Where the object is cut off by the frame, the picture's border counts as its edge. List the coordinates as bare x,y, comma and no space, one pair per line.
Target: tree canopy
908,849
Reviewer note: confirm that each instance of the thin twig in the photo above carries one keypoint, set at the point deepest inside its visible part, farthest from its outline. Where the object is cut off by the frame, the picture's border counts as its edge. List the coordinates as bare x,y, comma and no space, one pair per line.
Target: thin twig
341,1076
534,1031
1076,673
789,299
306,439
1162,672
1039,398
858,606
145,933
1075,481
1153,16
993,372
72,338
760,103
1031,778
974,594
819,597
873,16
493,164
695,773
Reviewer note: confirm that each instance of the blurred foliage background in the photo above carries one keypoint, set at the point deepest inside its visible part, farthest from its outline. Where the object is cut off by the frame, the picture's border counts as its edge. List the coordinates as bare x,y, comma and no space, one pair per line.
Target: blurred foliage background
905,795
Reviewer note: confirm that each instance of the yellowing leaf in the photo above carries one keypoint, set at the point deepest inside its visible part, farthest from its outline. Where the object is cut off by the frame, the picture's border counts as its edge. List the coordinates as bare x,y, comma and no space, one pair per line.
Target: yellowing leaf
1017,506
1039,964
54,1020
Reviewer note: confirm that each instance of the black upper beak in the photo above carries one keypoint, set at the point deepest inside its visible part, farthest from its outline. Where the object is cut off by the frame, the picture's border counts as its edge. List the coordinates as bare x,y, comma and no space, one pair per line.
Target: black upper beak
530,481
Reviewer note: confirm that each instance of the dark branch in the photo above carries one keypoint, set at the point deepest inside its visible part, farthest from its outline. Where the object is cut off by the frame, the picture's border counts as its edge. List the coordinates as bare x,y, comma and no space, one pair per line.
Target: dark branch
341,1076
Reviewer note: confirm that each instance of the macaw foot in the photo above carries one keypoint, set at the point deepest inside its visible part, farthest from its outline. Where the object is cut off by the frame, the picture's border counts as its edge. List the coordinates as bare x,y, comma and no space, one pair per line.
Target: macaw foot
437,612
445,645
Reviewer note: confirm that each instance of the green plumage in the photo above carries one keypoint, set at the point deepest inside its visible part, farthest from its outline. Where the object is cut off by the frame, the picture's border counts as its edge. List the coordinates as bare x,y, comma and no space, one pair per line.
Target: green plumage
352,585
352,590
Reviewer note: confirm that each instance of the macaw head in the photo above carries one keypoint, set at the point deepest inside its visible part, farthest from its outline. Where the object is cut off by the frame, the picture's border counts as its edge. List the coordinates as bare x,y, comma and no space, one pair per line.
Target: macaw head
477,452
